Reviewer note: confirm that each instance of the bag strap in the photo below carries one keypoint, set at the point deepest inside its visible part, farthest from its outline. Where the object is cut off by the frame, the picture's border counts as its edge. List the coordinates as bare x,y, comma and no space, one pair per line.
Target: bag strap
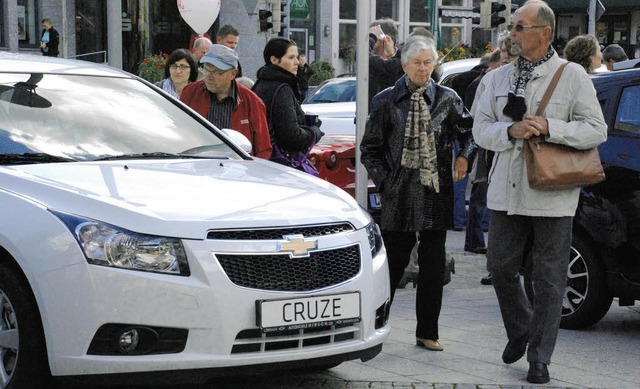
273,99
550,89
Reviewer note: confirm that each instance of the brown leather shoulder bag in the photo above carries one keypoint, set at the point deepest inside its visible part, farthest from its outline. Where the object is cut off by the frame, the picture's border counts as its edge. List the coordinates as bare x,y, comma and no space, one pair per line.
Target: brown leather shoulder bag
553,166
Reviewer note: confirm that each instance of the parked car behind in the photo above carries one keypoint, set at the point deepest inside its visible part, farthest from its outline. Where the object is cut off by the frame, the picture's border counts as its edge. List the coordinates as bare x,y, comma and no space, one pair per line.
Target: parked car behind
334,101
138,239
605,253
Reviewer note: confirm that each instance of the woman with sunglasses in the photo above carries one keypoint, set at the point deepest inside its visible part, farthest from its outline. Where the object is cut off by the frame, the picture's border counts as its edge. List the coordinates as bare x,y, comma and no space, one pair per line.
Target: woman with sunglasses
179,71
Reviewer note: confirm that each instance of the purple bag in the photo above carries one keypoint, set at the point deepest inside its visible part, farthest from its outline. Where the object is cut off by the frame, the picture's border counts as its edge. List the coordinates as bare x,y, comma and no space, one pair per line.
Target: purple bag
298,160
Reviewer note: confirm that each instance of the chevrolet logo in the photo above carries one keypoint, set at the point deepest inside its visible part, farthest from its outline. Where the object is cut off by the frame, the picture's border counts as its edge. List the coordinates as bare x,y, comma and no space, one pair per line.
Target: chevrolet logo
297,245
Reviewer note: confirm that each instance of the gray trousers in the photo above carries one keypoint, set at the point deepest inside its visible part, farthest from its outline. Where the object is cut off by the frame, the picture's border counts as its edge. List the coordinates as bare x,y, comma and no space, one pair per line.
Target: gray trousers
546,241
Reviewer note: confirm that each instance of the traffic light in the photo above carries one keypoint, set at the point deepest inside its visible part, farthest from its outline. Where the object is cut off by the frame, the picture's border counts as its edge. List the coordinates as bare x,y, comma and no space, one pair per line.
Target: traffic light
280,12
263,20
489,17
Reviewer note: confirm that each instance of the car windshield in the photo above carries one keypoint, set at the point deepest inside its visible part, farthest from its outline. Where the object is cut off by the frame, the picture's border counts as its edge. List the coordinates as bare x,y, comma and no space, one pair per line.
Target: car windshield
333,91
59,118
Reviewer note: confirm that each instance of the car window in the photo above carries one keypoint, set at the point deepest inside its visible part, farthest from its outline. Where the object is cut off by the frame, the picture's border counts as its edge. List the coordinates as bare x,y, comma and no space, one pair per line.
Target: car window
628,115
333,92
88,118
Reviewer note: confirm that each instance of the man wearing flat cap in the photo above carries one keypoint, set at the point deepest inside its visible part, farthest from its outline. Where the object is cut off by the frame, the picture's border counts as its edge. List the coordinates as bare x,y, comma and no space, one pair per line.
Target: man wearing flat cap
226,103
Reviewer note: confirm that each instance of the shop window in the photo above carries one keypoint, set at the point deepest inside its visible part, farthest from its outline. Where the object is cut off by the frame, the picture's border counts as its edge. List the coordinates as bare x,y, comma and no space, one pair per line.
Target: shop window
2,42
29,28
91,30
348,9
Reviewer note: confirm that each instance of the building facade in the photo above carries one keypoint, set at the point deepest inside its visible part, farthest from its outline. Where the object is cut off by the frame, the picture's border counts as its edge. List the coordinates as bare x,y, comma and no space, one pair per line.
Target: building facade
122,33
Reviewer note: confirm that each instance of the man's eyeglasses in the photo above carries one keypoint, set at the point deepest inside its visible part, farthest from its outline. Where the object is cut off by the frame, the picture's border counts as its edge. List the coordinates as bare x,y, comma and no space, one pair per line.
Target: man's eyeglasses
216,72
181,67
521,27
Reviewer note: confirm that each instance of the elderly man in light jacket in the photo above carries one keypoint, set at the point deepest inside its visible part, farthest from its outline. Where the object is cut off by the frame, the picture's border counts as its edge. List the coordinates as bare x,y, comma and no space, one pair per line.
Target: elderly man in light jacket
522,218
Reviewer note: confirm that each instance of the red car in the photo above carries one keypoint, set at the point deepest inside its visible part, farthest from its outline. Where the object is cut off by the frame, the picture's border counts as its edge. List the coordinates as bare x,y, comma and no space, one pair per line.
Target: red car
335,158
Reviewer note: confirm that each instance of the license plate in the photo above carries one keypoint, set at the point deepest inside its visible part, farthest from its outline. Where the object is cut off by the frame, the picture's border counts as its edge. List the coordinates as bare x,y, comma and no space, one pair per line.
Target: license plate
374,201
308,312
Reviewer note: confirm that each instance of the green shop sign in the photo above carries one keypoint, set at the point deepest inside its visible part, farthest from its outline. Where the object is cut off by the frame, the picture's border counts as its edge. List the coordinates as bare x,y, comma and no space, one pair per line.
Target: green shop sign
299,9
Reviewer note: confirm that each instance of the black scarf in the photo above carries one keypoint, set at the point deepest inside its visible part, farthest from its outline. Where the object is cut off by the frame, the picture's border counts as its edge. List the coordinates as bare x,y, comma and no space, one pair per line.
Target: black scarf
516,107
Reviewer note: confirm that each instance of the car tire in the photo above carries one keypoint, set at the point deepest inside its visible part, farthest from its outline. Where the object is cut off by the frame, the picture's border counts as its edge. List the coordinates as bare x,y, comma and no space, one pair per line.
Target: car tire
23,357
586,298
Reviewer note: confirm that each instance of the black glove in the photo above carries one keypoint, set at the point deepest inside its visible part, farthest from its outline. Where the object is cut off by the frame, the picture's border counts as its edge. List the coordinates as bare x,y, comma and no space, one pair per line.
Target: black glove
315,132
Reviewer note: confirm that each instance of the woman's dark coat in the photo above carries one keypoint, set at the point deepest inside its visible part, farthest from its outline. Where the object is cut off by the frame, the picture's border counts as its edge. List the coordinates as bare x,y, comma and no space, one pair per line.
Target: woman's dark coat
407,205
287,116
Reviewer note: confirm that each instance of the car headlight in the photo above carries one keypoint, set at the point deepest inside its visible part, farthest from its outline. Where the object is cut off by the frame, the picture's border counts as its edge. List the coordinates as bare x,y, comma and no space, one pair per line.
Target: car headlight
107,245
375,238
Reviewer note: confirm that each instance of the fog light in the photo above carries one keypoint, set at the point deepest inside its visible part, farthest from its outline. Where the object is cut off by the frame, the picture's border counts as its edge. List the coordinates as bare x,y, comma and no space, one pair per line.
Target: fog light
128,340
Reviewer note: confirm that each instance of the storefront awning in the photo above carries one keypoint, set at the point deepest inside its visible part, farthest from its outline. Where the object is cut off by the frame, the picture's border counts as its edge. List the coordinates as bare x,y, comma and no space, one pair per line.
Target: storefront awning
583,4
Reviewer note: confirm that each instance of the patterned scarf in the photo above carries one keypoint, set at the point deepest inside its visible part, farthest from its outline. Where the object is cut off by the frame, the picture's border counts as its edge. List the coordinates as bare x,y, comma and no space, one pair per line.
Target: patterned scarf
419,148
516,107
167,86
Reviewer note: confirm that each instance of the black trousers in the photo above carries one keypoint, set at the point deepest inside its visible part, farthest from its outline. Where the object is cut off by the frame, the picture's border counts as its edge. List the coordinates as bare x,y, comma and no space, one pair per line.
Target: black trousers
431,267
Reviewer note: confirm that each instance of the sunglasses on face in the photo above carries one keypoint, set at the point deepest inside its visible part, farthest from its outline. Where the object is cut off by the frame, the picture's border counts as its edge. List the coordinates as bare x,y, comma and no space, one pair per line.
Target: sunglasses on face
521,27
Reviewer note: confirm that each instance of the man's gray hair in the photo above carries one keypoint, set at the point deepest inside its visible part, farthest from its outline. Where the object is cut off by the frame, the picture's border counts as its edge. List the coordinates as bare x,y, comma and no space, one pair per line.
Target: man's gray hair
415,44
545,13
614,53
200,41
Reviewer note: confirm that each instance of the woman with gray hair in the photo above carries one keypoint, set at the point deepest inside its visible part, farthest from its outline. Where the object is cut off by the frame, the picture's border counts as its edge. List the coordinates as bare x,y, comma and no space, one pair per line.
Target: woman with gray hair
407,149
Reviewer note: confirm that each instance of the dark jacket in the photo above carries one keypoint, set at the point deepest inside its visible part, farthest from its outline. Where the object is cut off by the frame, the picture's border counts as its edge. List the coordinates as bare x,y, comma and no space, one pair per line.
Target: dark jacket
461,82
484,157
288,117
383,73
304,74
54,43
408,205
248,117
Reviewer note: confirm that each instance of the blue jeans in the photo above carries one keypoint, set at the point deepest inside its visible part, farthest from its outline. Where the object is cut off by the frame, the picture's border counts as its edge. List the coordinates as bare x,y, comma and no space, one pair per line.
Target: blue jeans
474,236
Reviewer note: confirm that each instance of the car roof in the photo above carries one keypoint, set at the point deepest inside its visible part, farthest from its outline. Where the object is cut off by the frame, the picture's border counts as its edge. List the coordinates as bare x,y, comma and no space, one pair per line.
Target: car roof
458,66
614,76
29,63
628,64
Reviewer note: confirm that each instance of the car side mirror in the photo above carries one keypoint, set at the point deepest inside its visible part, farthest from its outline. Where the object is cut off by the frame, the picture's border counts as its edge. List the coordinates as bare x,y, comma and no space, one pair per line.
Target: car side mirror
239,139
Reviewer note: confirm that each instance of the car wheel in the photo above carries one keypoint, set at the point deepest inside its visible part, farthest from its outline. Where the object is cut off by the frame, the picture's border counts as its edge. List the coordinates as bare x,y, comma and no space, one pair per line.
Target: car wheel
586,298
23,361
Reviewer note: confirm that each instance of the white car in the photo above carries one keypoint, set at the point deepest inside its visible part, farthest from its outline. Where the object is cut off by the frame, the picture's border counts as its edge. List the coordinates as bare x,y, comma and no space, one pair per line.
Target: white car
334,101
137,238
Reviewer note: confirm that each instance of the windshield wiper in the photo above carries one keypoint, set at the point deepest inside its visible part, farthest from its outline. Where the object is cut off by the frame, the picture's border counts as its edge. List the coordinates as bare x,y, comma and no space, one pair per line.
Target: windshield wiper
159,155
29,158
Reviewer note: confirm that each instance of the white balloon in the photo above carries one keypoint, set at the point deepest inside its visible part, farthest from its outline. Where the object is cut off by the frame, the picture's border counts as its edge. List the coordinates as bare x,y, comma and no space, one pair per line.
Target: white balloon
199,14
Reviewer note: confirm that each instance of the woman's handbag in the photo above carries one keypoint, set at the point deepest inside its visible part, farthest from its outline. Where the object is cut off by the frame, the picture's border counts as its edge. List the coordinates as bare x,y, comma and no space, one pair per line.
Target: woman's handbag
555,166
297,159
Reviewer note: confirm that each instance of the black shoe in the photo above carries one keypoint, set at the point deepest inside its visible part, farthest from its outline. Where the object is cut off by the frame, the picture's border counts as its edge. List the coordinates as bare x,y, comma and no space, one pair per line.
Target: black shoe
477,250
486,280
458,228
515,349
538,373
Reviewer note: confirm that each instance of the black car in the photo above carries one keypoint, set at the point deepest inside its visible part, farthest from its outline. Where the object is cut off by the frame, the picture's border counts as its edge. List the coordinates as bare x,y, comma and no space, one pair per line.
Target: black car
605,253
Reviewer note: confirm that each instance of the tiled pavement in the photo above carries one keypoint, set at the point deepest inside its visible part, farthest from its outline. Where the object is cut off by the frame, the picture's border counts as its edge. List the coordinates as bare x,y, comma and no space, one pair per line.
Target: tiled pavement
604,356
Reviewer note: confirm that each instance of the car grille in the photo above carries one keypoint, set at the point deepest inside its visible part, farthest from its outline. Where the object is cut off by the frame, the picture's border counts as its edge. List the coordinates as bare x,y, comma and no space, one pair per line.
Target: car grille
282,272
279,233
255,341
